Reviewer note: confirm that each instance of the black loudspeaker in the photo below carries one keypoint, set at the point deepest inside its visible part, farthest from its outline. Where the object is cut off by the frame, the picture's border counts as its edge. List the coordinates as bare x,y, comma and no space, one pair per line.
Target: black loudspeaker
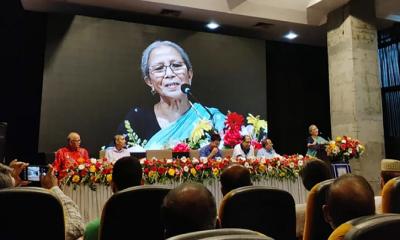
3,134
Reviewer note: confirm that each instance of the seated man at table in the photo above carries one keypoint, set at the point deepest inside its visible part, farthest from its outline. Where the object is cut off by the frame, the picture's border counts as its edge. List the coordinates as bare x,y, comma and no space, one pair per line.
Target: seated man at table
118,151
244,149
70,154
187,208
211,150
267,151
9,178
127,172
234,176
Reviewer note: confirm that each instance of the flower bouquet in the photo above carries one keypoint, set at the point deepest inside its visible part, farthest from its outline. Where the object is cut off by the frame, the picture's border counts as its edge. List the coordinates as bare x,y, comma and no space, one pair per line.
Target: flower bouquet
91,173
180,150
344,148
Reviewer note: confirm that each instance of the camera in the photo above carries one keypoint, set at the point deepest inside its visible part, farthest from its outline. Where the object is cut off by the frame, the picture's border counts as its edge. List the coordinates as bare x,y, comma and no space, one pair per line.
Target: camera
33,172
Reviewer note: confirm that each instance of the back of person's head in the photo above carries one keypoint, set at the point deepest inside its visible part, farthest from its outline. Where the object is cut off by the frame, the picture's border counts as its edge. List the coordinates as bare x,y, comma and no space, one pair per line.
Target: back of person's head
313,172
127,172
349,196
390,168
234,176
187,208
6,179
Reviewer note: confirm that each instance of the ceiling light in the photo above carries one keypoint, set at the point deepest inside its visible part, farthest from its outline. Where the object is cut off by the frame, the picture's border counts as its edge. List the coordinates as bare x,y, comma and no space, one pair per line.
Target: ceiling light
212,25
291,35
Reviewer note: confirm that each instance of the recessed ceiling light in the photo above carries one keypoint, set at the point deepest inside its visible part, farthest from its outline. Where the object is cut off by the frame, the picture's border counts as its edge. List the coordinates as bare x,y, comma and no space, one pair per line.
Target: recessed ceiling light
291,35
212,25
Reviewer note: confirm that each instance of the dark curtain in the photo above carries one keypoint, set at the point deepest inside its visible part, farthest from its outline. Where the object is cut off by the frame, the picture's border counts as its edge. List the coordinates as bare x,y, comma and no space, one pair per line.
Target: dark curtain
389,56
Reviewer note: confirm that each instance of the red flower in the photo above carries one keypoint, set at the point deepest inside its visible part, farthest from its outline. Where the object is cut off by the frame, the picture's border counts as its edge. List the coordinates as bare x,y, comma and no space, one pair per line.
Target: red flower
234,121
181,147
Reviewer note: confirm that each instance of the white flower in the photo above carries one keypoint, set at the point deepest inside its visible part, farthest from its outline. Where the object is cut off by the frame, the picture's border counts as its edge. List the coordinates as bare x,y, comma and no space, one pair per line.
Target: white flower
186,168
184,159
93,160
300,156
269,168
233,159
81,166
204,160
350,150
219,159
142,161
242,158
247,165
300,163
195,161
263,160
343,141
291,164
278,163
169,160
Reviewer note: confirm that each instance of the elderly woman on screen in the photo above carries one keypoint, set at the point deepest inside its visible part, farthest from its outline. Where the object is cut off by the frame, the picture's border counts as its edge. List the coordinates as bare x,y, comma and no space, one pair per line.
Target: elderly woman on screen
165,68
313,141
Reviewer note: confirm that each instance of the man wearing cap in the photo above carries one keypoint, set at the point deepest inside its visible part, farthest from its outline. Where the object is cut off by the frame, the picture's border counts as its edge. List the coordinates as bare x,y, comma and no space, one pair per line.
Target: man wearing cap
390,168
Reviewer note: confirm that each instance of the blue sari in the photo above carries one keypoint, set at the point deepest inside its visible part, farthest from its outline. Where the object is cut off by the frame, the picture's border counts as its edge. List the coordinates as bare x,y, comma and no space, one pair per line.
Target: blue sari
183,127
318,140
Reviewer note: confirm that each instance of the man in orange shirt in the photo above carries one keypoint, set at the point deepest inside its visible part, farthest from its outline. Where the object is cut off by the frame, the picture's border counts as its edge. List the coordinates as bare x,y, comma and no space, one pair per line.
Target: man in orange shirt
71,154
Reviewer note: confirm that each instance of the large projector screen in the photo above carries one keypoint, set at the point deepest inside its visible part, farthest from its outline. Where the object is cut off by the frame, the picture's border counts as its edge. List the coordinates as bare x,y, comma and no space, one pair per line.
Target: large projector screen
92,76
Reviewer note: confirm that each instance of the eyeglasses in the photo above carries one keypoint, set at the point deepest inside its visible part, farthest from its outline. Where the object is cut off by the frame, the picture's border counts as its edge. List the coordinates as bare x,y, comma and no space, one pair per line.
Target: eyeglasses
161,69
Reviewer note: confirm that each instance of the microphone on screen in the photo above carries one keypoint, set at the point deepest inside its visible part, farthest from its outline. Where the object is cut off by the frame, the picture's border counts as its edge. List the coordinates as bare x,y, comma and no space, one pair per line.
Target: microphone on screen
186,89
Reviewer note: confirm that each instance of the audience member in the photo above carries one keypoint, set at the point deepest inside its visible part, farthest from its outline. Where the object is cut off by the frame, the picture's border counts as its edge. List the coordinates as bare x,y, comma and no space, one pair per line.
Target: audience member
211,150
390,168
349,196
73,220
127,172
234,176
244,149
187,208
72,153
118,151
267,150
313,172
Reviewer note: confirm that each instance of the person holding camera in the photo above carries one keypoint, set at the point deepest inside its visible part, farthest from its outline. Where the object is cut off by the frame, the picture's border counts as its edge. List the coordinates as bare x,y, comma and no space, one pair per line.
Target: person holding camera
10,177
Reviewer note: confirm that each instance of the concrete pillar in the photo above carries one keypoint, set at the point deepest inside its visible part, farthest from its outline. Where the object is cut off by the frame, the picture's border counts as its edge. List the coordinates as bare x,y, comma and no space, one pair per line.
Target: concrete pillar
355,94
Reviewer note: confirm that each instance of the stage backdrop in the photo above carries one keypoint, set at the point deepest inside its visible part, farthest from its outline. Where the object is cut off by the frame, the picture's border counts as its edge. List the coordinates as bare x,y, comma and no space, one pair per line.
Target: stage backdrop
92,75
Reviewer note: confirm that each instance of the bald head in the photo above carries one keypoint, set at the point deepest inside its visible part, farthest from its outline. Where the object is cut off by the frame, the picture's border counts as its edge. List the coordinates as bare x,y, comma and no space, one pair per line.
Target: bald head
187,208
74,140
350,196
234,176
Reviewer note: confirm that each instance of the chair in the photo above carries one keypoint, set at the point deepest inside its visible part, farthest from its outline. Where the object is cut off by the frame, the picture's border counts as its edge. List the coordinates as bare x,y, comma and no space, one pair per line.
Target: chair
134,213
30,213
315,227
262,209
381,226
159,154
217,233
391,196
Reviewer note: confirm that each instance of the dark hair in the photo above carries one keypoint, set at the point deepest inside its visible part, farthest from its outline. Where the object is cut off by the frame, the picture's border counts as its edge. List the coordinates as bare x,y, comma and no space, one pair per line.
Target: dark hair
315,171
234,176
127,172
350,196
187,208
387,175
215,137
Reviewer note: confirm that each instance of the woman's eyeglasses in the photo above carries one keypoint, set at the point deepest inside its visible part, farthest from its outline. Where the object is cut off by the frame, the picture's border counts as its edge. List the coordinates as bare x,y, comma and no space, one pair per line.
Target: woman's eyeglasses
161,69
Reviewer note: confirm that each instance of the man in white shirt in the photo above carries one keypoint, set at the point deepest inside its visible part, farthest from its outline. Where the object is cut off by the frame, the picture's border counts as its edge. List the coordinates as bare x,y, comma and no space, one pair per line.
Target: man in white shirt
118,151
244,149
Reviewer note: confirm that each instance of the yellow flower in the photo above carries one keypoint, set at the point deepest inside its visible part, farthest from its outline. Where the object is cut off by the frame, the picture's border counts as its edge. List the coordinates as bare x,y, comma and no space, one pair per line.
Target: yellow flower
193,171
282,174
92,168
338,139
256,122
76,179
215,171
171,172
109,178
198,131
152,174
261,168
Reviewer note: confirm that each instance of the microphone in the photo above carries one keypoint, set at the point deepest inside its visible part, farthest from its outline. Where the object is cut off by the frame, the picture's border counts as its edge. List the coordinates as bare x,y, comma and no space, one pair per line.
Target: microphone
186,89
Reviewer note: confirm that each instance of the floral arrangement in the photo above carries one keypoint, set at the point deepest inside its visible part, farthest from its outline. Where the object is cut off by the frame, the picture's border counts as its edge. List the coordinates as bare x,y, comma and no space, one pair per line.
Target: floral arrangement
200,170
344,148
181,147
91,172
133,138
256,128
